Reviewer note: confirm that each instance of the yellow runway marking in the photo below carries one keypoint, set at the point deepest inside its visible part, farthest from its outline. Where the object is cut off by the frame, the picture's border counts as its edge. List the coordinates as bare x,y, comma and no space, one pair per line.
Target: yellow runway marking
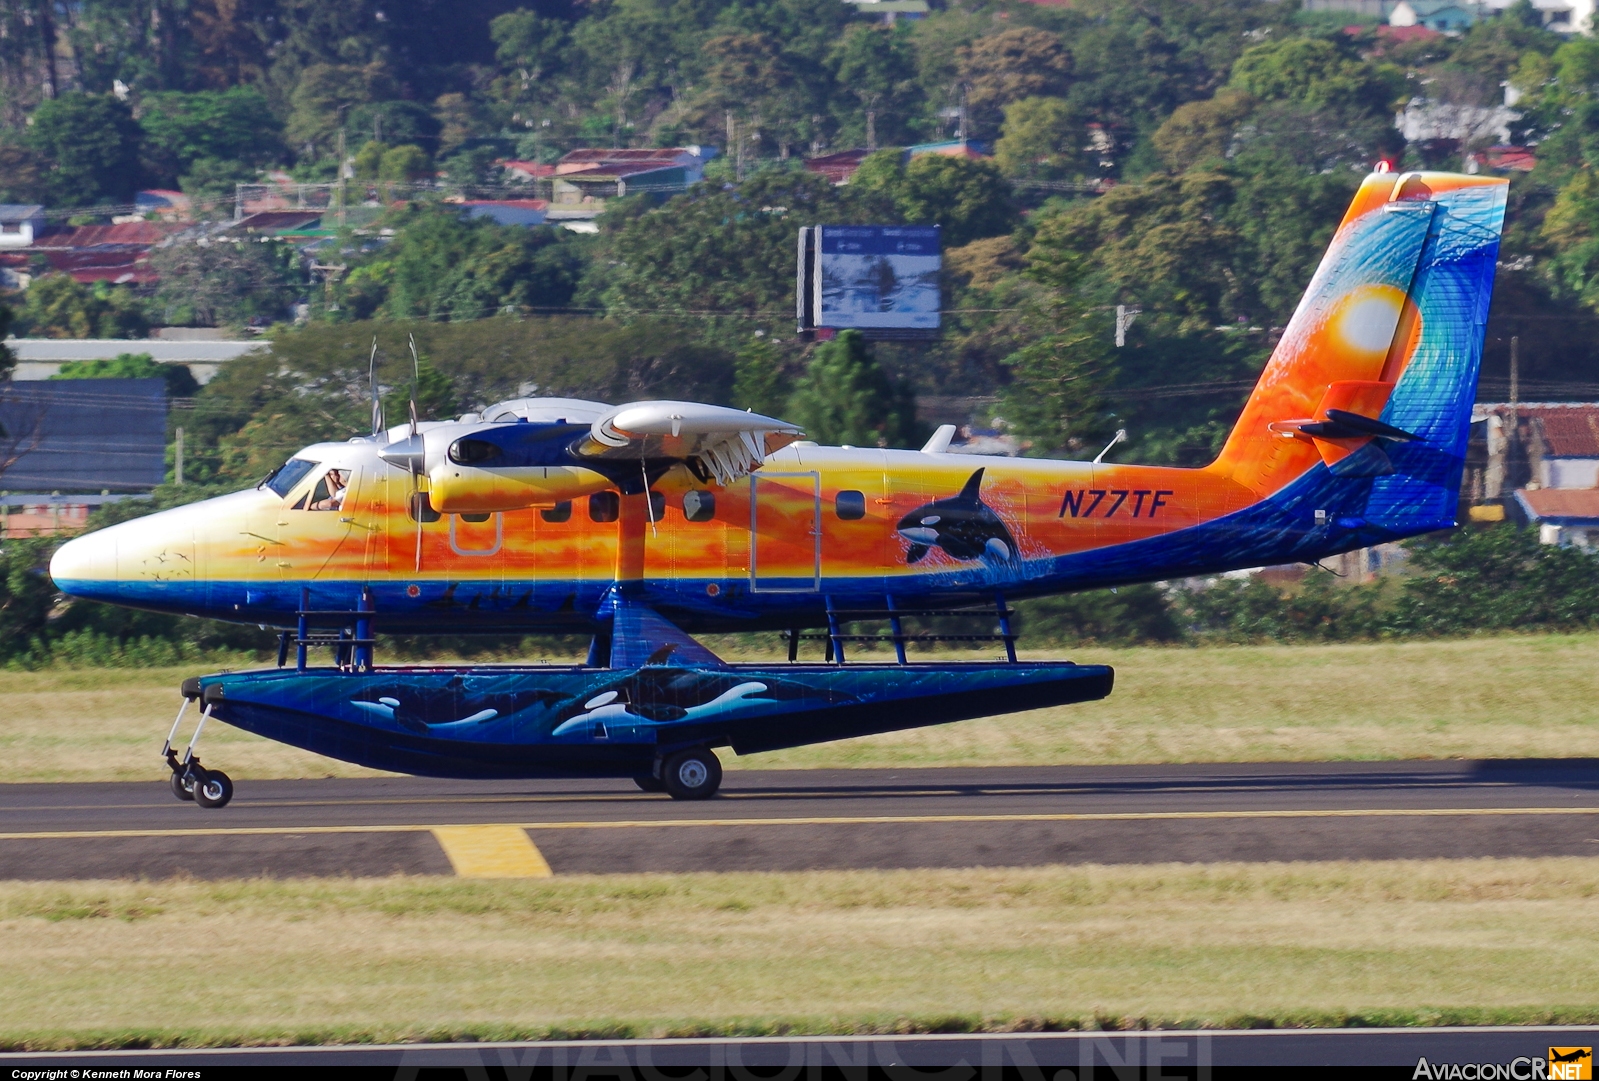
678,823
491,852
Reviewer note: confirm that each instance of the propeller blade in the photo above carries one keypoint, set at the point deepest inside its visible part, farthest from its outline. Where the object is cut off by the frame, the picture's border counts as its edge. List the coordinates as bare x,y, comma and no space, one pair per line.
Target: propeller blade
416,376
372,385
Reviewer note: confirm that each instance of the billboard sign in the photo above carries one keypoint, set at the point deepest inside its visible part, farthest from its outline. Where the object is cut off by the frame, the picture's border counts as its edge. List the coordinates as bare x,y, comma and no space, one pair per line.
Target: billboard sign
871,277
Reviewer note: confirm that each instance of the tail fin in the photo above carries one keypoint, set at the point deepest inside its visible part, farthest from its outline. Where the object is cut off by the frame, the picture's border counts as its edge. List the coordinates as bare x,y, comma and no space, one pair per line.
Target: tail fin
1386,341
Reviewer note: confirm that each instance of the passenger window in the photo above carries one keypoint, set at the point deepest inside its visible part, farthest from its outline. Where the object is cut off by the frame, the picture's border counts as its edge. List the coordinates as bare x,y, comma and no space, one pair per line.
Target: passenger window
849,505
699,506
474,517
657,506
604,507
561,512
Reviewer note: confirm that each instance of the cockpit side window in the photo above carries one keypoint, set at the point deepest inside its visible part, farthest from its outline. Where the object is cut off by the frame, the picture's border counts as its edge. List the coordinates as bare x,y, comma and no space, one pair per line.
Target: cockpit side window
331,490
290,473
327,494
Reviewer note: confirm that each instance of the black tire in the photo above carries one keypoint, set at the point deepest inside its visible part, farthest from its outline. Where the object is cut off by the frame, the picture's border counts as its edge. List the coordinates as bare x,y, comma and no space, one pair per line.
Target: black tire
649,783
182,789
213,788
692,774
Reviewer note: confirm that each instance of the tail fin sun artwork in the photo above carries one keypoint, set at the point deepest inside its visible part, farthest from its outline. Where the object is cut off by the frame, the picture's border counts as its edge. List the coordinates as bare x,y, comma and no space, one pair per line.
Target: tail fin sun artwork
644,523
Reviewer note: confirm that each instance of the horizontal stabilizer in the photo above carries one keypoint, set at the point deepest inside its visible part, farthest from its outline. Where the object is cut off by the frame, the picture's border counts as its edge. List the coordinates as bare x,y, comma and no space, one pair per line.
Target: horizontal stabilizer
1342,424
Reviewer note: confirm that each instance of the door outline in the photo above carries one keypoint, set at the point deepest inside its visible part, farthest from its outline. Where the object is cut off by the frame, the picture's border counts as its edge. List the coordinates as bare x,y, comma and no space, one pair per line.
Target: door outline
499,537
288,554
816,533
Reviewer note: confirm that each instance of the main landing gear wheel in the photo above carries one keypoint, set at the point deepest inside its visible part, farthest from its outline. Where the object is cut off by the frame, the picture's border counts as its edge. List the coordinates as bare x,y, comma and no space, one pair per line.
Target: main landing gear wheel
213,788
649,783
182,787
692,774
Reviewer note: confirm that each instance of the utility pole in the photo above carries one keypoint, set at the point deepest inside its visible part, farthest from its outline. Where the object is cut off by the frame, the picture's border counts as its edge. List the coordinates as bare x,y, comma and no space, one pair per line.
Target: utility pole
342,200
1515,373
177,460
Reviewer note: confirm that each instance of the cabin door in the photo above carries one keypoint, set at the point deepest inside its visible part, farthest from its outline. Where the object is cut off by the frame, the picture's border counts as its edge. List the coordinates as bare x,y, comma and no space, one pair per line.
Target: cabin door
315,526
785,532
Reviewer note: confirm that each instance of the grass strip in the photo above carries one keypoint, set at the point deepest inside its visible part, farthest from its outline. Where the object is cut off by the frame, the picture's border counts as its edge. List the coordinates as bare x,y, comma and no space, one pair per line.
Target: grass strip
112,964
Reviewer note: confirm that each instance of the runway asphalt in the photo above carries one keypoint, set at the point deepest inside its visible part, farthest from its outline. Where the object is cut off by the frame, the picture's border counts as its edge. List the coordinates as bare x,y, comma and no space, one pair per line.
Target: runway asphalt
810,819
1520,1052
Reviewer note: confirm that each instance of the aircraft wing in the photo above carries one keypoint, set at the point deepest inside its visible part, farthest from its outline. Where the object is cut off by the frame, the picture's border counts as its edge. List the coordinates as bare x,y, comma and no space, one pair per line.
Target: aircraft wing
713,440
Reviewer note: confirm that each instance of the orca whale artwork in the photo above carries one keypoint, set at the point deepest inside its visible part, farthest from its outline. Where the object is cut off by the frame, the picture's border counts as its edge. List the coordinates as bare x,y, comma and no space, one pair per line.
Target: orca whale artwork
643,524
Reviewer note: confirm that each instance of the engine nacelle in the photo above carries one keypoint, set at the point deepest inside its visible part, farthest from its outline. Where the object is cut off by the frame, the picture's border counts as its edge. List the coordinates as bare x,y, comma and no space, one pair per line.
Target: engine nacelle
465,489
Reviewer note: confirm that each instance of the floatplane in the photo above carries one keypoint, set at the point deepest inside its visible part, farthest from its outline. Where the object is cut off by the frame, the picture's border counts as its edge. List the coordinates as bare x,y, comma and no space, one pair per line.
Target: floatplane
644,524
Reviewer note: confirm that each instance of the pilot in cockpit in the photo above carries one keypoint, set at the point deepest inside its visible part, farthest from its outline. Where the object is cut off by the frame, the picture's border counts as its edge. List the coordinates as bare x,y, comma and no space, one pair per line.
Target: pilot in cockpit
331,490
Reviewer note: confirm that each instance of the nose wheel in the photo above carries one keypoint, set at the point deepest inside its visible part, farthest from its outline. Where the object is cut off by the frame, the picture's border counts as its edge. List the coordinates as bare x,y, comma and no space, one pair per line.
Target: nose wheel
190,781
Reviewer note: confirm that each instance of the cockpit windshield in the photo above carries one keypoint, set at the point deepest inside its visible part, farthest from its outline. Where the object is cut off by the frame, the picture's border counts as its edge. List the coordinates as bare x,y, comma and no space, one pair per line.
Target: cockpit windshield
287,475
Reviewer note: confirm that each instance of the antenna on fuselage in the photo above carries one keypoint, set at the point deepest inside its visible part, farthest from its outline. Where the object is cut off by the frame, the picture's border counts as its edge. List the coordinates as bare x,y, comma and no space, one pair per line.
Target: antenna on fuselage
372,385
1121,434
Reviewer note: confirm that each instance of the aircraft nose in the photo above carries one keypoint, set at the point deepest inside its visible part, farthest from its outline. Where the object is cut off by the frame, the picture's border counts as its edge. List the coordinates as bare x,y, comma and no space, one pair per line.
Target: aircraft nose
86,566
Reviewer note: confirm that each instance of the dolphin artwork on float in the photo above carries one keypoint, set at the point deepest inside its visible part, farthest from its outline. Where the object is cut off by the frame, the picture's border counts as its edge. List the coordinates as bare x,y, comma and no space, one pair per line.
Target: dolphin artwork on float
424,710
962,525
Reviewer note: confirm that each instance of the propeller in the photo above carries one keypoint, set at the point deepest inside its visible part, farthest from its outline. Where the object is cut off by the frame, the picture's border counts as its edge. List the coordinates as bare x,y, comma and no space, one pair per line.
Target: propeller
372,385
417,463
410,453
416,377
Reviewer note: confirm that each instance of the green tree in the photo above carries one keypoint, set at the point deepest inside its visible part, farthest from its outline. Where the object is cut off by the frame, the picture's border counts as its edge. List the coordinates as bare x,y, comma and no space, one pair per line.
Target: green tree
368,161
1057,395
27,595
440,267
1571,227
321,96
1203,131
1560,105
1317,72
55,306
180,381
234,125
875,72
22,172
140,42
460,120
968,199
395,123
1042,139
530,44
90,143
220,283
406,162
212,184
845,397
759,382
1024,62
752,78
1499,577
717,249
1494,47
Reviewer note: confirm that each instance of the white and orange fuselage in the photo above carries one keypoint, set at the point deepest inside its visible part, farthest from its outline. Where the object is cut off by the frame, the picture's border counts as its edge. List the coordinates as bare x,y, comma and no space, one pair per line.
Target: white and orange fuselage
1355,434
